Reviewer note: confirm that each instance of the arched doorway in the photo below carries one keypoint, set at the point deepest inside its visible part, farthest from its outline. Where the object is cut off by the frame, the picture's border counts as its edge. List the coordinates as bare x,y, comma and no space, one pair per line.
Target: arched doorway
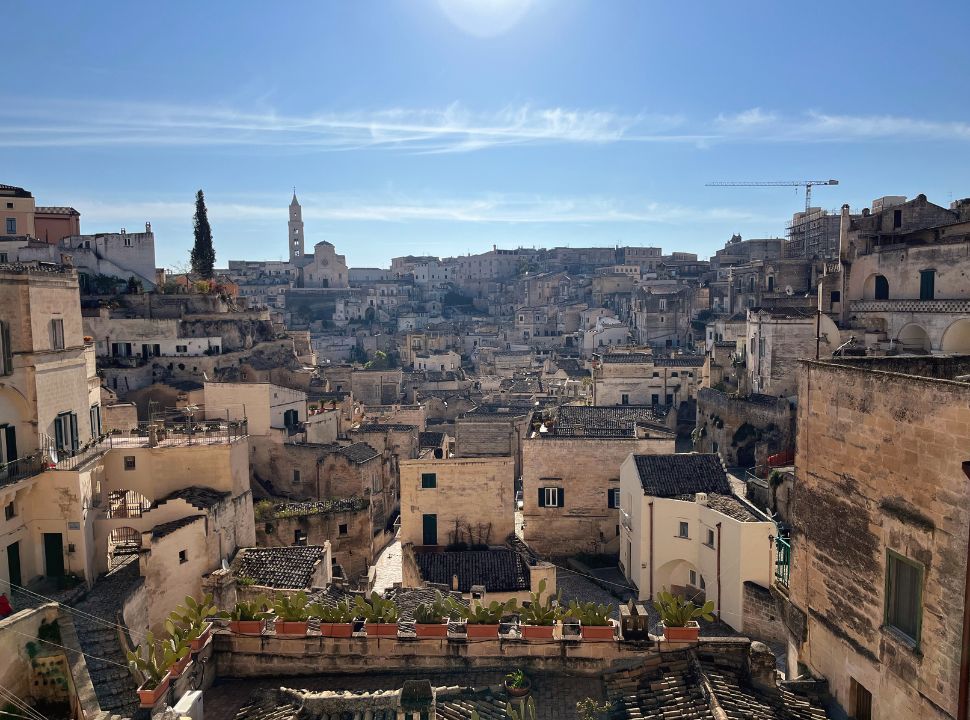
123,543
956,338
913,338
876,288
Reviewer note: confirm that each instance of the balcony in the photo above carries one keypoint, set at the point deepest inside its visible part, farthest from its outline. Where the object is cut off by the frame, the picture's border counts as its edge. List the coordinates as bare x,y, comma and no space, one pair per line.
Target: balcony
782,560
904,306
21,469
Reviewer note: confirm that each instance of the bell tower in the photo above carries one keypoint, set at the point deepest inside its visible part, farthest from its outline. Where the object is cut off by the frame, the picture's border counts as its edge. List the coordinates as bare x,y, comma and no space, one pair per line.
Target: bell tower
295,227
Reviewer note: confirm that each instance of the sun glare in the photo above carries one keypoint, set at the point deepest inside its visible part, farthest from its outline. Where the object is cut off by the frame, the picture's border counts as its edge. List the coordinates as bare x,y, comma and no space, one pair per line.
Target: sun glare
485,18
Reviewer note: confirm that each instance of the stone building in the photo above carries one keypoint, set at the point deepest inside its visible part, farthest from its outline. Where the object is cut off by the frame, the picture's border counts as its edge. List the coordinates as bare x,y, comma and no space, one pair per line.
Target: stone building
734,427
445,501
571,475
880,527
376,387
776,340
660,317
684,531
494,431
904,276
640,378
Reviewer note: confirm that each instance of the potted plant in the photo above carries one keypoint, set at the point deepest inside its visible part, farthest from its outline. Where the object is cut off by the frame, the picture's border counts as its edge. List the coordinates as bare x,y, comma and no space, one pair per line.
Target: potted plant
149,662
482,620
595,621
539,618
680,618
334,621
192,620
291,613
517,684
380,615
247,617
431,619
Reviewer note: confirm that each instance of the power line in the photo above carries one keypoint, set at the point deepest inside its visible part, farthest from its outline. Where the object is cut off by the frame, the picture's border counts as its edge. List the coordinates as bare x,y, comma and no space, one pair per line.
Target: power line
20,704
62,647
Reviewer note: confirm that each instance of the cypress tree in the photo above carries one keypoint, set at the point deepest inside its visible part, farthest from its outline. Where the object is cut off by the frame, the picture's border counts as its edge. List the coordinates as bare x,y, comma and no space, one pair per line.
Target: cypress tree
203,253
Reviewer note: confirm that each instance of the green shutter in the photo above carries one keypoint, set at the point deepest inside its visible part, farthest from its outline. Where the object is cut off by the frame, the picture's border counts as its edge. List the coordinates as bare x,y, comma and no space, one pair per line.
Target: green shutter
542,497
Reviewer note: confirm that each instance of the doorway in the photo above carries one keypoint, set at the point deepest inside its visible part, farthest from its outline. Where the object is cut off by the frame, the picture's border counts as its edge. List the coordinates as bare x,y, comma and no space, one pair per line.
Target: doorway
430,529
13,564
54,554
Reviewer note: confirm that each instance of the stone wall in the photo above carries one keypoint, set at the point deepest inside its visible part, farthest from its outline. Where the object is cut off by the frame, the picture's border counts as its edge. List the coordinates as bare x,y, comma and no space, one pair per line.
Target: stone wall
587,469
731,426
881,467
760,617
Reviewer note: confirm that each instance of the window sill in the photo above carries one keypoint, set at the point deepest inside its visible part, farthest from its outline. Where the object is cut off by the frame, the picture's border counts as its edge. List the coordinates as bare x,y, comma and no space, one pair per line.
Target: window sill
708,545
682,537
901,639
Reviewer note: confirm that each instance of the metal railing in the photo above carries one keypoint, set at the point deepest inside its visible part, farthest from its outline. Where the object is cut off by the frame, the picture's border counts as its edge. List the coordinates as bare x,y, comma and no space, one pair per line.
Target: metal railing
782,560
21,468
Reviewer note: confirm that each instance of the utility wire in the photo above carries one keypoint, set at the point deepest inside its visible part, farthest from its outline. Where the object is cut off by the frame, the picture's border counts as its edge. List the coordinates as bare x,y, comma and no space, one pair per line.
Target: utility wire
80,652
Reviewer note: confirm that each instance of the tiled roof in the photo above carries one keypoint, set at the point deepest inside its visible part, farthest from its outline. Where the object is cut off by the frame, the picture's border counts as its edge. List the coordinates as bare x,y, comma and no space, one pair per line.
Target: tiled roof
573,368
681,474
431,439
202,498
730,505
383,427
628,358
288,567
680,685
359,452
681,361
56,210
605,421
499,569
14,191
160,531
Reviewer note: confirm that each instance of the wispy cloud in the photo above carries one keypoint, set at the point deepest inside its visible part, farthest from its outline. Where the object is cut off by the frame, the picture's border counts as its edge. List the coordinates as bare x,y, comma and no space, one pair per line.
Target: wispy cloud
496,209
450,129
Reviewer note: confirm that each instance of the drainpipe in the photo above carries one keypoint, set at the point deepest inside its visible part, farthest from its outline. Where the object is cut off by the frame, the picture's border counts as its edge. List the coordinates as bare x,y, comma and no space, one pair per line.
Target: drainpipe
651,550
963,705
718,526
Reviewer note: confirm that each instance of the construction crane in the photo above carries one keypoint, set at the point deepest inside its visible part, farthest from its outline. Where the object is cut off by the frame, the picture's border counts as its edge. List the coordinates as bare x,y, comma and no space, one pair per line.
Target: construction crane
807,184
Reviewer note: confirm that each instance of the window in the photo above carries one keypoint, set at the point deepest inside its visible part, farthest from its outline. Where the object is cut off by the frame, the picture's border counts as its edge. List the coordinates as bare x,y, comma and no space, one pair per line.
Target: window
183,556
299,537
836,296
663,304
670,400
6,351
65,433
342,529
904,595
429,480
624,399
613,498
771,283
4,257
181,348
927,284
296,477
129,462
550,497
656,374
692,578
897,219
710,537
682,530
861,701
9,511
95,414
703,584
57,334
11,226
675,374
881,291
654,399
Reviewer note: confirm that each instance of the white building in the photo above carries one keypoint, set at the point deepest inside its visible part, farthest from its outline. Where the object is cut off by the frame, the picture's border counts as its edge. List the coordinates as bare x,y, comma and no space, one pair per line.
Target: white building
438,362
606,333
683,530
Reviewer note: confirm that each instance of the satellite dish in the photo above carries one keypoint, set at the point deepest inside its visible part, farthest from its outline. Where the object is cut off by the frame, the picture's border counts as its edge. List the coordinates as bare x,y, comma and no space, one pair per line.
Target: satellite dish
789,291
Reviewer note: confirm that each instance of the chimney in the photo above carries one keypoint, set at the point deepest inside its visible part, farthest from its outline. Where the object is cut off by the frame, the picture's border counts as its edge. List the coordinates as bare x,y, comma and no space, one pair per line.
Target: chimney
454,582
700,498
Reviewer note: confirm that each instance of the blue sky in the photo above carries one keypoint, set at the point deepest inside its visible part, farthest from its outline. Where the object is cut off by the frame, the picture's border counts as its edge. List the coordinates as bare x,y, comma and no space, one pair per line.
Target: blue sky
447,126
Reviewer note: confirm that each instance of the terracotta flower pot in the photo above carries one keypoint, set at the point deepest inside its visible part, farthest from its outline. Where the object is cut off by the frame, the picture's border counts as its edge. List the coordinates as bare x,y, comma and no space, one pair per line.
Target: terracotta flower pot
290,627
381,629
246,627
597,632
438,630
198,642
336,630
482,631
518,692
179,667
537,632
683,634
148,698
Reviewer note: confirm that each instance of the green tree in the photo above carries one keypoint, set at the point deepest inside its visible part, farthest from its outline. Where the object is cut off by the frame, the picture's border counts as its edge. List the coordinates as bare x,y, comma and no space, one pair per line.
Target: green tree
203,253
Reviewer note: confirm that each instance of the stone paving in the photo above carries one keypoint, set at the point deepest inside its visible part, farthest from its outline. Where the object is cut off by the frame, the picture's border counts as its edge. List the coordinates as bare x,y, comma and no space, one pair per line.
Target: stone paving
387,567
555,695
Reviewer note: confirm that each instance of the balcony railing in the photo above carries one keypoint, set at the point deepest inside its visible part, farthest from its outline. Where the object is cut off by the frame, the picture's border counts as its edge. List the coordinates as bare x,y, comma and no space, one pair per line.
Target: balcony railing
782,560
21,468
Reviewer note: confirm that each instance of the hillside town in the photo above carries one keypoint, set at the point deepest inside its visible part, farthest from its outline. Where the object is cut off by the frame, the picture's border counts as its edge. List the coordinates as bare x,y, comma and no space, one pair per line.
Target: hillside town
623,481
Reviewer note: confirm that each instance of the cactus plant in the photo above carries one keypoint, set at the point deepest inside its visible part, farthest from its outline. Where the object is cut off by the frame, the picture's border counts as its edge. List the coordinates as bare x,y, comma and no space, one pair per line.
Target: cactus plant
292,613
151,662
526,710
248,617
192,619
675,612
381,615
334,619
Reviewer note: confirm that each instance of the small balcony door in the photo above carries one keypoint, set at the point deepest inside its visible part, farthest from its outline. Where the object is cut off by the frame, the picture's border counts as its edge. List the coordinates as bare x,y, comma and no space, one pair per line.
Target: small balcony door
430,523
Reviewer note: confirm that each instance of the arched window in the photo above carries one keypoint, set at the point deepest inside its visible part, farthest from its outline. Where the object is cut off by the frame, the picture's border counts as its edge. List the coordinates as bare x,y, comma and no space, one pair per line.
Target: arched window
882,288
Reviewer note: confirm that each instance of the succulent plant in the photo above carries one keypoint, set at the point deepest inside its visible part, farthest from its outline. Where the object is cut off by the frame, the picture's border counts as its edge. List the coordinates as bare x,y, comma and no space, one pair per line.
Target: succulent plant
376,609
675,612
434,612
256,609
542,613
190,619
342,612
589,613
291,608
153,659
